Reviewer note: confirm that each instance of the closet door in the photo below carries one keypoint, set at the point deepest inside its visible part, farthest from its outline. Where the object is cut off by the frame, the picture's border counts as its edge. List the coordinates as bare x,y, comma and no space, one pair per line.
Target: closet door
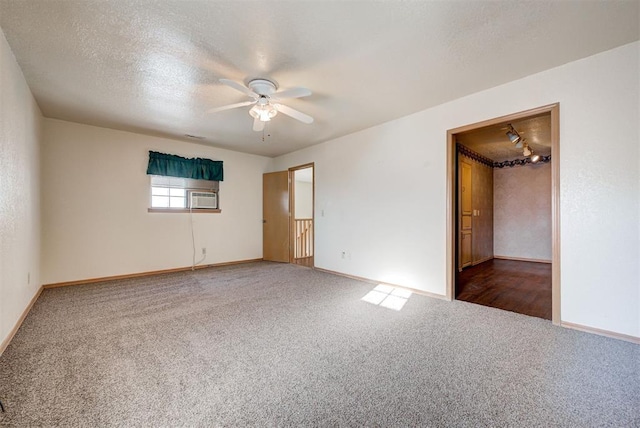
466,213
482,206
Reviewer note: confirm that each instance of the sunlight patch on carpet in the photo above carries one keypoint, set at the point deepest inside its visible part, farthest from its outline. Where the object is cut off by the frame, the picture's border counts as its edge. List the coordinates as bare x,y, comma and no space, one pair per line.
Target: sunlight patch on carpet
388,296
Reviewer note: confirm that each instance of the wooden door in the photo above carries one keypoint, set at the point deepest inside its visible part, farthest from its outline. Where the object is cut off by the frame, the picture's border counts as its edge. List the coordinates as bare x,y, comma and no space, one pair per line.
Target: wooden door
482,204
275,216
465,214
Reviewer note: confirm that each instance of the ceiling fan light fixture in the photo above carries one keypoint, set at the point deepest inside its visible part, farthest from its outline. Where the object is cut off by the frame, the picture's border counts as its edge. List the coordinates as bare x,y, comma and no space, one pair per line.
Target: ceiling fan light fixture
535,158
266,102
263,112
527,151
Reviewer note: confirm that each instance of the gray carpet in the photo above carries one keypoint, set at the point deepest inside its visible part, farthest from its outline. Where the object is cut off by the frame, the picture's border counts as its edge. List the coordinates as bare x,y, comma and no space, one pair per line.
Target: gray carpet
279,345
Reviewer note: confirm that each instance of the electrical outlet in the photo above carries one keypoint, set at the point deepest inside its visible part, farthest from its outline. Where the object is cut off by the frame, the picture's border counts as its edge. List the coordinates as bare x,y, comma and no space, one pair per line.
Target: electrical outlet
204,251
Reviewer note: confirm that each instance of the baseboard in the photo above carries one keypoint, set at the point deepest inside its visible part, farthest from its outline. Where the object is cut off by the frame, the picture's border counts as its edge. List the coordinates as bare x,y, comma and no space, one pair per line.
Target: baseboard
522,259
16,327
607,333
486,259
148,273
373,281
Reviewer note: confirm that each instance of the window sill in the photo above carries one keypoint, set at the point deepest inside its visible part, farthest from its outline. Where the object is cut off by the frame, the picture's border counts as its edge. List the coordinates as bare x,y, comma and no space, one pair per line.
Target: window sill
184,210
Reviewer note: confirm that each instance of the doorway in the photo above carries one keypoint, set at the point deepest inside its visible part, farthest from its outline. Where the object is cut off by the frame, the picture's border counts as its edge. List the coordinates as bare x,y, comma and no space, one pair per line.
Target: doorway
288,215
471,262
302,224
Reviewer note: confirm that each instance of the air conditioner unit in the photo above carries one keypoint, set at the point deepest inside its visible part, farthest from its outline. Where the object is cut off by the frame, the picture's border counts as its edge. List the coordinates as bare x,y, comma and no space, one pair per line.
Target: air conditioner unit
204,200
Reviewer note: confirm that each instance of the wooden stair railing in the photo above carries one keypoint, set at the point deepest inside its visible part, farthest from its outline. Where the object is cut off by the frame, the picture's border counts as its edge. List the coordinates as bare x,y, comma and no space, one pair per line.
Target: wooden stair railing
304,238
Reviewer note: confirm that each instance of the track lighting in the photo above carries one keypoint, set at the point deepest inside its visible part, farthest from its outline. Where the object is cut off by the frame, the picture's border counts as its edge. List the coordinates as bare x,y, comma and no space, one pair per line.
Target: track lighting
521,143
514,137
527,151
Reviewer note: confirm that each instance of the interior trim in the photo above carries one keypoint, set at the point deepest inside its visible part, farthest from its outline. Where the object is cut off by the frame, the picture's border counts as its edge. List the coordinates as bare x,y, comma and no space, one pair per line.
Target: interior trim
555,215
373,281
185,210
149,273
292,199
16,327
486,259
522,259
601,332
467,152
554,110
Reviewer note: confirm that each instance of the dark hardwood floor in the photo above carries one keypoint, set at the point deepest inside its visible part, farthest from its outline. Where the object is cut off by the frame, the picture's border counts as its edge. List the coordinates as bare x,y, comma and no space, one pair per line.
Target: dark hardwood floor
522,287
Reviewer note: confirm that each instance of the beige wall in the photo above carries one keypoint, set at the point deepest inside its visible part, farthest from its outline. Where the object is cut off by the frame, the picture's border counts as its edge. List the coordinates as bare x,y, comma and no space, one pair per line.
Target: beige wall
381,192
95,197
522,212
20,122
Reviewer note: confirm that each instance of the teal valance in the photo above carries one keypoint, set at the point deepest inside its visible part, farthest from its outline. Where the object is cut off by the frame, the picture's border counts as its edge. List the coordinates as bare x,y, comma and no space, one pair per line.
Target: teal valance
177,166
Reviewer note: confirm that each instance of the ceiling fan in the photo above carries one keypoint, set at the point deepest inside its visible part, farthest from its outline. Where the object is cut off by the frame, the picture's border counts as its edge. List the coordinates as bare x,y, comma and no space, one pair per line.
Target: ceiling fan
266,101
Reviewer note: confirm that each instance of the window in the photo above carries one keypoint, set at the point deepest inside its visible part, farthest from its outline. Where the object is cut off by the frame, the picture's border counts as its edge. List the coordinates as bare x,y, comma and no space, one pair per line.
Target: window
168,197
174,194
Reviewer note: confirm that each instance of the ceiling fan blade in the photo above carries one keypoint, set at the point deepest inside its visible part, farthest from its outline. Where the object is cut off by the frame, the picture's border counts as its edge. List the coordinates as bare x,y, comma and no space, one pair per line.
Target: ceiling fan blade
298,115
230,106
291,93
239,87
258,125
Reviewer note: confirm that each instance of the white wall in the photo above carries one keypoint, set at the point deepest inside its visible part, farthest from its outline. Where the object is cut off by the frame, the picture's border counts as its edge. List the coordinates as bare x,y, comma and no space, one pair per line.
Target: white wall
19,192
522,212
303,199
383,190
95,200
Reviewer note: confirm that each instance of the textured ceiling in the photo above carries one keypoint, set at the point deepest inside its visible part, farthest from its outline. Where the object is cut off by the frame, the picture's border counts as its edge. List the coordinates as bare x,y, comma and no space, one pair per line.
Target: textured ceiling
492,141
153,66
